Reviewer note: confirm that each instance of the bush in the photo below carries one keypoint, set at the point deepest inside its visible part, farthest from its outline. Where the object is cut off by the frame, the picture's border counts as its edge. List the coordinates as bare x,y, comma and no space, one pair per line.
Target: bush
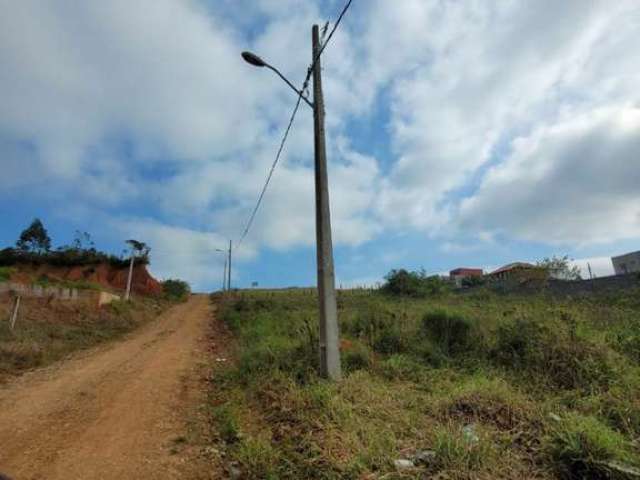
176,290
556,353
402,367
5,274
64,256
473,281
227,423
460,450
452,333
582,447
356,357
389,340
627,341
287,355
412,284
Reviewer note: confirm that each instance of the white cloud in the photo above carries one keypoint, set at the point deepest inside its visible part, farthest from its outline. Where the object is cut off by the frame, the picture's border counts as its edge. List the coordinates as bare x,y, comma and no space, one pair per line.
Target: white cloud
182,252
465,78
574,182
600,266
113,104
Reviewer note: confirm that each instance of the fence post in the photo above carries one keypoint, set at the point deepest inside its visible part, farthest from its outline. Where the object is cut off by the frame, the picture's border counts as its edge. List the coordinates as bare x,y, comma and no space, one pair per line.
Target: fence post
14,315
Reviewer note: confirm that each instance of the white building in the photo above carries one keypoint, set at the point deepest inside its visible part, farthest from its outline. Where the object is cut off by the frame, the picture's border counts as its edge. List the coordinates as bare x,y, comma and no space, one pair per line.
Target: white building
627,263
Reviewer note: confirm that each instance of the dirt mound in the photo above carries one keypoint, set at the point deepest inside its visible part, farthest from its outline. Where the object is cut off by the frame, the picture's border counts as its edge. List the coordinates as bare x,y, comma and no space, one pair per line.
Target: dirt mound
104,275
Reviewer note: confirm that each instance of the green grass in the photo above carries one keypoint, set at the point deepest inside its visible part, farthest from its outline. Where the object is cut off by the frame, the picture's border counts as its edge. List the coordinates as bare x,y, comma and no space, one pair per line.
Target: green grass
5,273
495,386
46,332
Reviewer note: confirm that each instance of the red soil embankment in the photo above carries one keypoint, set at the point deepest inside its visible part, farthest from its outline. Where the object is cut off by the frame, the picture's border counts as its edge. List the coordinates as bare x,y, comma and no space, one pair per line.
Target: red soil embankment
105,275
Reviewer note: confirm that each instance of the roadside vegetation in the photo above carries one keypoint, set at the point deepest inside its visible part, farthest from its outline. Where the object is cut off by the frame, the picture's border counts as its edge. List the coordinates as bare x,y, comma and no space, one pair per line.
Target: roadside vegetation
176,290
47,331
436,385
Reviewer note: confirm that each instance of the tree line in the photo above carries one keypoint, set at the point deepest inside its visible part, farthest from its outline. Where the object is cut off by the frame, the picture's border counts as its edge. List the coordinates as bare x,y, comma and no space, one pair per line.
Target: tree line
34,246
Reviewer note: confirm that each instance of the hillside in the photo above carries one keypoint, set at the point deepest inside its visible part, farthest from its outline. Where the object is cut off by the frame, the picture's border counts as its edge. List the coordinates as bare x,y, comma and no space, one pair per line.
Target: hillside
102,275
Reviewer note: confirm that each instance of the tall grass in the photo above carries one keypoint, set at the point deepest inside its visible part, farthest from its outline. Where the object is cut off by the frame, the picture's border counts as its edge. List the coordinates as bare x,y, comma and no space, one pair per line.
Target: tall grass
520,373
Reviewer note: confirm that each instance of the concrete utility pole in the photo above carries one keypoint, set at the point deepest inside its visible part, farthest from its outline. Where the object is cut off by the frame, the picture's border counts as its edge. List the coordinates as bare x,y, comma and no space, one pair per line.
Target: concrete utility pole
130,277
329,333
14,315
229,268
224,275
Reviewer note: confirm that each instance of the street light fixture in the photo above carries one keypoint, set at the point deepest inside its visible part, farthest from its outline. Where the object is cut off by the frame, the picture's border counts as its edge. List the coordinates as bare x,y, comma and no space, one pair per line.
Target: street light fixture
256,61
329,334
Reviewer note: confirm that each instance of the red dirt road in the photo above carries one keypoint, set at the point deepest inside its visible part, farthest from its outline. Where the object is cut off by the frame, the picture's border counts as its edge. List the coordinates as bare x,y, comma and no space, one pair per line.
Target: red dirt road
117,411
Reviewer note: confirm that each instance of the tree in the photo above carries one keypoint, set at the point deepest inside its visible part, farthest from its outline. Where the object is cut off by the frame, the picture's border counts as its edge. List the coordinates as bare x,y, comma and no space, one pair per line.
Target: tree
140,249
560,268
412,284
34,239
176,290
83,241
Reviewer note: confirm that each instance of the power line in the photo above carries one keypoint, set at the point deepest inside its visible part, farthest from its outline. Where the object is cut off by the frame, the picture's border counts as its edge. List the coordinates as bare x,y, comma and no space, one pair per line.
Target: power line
273,167
335,27
293,116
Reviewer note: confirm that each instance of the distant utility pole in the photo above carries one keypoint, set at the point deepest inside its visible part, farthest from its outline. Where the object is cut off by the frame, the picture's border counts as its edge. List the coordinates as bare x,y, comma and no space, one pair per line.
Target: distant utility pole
14,315
590,273
329,334
224,275
129,278
229,268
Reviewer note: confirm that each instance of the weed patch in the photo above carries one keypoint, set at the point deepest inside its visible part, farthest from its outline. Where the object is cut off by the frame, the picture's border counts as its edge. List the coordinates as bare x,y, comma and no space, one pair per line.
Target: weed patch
583,447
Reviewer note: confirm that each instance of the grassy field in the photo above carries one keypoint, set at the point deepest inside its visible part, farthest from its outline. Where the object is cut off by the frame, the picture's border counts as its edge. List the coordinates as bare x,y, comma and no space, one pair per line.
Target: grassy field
454,387
47,331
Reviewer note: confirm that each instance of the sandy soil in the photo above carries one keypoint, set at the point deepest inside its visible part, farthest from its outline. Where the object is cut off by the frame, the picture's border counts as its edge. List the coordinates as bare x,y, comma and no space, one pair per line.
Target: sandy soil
116,411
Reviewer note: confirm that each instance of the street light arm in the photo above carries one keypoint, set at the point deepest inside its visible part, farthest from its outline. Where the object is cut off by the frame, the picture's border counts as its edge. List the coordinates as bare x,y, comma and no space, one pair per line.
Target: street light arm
299,92
256,61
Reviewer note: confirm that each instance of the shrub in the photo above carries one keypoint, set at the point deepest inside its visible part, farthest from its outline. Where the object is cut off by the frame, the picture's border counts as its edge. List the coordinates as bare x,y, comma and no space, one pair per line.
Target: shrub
5,274
402,367
412,284
452,333
64,256
583,447
258,459
627,341
463,450
288,355
489,401
389,340
566,360
176,290
356,357
227,423
473,281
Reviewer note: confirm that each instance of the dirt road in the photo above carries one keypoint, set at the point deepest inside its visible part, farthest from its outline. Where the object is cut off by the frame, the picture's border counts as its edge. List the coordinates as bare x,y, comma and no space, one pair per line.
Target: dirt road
115,412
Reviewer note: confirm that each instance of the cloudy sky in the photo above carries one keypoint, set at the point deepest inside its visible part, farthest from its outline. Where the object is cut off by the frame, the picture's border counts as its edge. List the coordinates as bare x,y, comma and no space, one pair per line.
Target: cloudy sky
467,133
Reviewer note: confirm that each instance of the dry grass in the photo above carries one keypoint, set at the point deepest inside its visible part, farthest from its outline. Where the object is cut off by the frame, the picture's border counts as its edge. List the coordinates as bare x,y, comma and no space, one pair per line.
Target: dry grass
48,330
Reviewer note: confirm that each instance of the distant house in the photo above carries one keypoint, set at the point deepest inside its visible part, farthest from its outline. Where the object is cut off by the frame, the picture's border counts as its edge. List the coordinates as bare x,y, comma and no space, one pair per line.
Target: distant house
519,271
627,263
459,274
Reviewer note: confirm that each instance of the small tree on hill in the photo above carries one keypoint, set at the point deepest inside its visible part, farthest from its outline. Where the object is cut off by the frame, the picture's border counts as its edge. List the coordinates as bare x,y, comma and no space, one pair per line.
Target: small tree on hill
140,249
560,268
412,284
176,290
34,238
